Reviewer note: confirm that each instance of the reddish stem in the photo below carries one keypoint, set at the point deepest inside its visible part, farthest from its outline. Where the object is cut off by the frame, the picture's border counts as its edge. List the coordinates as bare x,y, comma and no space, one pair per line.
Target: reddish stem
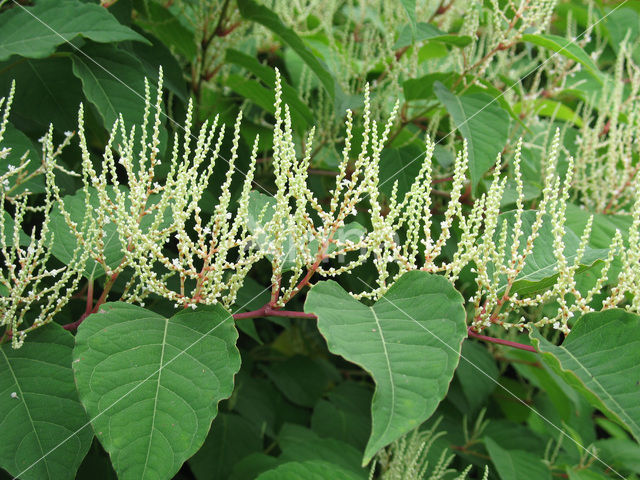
268,311
499,341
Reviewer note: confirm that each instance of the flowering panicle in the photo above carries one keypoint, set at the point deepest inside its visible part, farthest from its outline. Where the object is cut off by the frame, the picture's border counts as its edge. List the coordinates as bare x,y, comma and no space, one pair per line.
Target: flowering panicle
177,247
605,171
33,292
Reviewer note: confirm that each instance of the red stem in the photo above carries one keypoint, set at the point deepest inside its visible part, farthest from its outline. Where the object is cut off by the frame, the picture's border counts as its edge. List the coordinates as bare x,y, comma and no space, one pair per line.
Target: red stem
268,311
499,341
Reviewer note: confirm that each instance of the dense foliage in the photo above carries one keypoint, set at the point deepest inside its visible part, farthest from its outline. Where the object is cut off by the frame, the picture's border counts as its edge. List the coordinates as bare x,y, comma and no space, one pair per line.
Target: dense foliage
320,239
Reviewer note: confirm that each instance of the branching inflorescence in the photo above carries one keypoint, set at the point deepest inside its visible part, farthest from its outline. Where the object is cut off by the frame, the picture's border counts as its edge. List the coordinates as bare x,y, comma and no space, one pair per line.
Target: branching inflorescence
174,245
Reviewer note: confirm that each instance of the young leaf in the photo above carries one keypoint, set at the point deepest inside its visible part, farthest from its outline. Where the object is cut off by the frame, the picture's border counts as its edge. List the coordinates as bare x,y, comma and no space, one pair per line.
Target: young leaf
482,122
44,428
409,342
600,358
151,385
36,31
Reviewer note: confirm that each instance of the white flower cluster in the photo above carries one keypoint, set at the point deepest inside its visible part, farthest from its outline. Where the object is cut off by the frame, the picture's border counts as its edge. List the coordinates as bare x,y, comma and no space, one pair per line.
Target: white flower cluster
608,141
180,248
31,291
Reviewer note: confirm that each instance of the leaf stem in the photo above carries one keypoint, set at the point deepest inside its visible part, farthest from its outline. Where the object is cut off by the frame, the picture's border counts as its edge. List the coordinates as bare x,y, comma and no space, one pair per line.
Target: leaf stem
499,341
268,311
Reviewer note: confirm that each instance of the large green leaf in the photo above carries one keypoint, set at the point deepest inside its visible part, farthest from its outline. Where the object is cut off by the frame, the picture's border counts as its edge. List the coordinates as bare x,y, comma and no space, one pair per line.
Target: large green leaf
600,359
35,32
47,93
482,122
409,341
541,266
152,384
113,81
255,12
516,464
566,48
45,434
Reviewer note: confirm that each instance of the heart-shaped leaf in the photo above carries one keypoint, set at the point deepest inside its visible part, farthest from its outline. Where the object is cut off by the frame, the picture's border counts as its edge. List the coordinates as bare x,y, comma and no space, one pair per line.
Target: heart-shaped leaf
45,434
151,385
600,359
409,342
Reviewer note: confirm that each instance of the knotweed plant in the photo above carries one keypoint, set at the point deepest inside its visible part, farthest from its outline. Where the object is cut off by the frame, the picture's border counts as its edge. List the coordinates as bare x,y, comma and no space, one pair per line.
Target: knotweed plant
175,251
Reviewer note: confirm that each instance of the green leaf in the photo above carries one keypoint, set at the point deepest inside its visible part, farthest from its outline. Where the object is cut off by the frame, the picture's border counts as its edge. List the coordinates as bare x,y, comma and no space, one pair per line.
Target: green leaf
427,32
422,87
255,12
301,444
230,440
621,453
159,20
401,164
44,428
301,115
301,379
541,266
481,122
565,47
310,470
344,415
410,9
600,358
409,342
476,386
516,464
152,385
113,81
158,55
546,107
47,93
35,32
253,465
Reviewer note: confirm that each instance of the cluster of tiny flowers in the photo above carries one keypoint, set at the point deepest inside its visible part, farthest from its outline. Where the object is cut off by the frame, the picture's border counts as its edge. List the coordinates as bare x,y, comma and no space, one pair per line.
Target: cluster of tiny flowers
212,256
177,247
32,293
608,142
